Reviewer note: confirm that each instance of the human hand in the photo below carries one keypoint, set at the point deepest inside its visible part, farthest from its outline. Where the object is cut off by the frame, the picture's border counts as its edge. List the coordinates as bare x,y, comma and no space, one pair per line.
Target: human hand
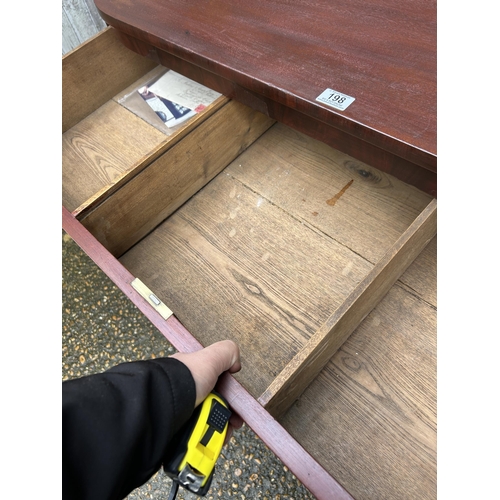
207,365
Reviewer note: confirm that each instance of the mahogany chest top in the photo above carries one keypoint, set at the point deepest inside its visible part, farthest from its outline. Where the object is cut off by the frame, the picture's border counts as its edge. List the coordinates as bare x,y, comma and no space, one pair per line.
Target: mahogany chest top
279,56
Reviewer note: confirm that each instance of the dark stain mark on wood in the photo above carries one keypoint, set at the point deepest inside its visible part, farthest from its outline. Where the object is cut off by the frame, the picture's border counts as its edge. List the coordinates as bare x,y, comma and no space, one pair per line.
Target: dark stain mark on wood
368,175
336,198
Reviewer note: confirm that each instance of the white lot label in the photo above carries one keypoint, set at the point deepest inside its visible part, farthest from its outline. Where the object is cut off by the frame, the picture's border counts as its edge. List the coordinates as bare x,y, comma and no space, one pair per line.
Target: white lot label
335,99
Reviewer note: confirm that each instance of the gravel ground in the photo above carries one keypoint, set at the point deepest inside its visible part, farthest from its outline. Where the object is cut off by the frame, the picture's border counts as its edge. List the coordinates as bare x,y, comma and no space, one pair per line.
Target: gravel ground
101,328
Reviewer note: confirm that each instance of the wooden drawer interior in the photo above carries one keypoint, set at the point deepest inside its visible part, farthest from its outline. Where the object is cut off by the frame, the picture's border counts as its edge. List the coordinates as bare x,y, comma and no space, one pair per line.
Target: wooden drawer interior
370,416
104,144
272,246
248,229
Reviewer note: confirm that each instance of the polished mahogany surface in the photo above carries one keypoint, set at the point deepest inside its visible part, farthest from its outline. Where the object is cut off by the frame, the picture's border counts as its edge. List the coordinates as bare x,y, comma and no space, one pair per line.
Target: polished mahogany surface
380,52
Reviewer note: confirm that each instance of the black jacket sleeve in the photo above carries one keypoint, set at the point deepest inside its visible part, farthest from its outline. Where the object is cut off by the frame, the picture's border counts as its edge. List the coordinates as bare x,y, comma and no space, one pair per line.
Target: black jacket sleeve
117,426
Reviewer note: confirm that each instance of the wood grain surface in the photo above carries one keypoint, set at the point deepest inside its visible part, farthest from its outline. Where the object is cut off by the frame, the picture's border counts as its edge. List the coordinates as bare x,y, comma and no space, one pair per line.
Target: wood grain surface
382,53
100,149
418,279
359,206
96,71
112,143
256,233
110,146
230,264
307,364
370,416
152,195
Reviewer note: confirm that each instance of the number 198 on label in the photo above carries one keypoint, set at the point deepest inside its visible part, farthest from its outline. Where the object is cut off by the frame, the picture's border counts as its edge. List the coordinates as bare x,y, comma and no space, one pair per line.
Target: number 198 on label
335,99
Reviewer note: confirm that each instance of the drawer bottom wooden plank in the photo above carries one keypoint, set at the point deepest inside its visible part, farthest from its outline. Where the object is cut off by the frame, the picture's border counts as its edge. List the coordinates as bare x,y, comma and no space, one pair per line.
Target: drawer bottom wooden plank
376,402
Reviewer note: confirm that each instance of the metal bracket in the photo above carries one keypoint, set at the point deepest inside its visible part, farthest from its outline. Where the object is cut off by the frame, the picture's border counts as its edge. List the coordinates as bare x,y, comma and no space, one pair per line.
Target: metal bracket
190,479
151,298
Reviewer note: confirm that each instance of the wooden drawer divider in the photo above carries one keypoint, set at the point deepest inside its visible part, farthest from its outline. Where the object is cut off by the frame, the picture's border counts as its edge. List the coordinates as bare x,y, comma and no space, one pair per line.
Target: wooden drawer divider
156,192
309,362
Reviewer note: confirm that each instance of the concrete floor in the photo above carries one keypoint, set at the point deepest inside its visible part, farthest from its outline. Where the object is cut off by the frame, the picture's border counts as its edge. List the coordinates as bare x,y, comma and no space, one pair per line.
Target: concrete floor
101,328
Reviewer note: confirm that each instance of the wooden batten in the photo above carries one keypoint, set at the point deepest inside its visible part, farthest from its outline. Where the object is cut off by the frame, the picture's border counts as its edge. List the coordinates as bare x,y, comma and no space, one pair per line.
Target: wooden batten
151,196
309,362
95,72
95,169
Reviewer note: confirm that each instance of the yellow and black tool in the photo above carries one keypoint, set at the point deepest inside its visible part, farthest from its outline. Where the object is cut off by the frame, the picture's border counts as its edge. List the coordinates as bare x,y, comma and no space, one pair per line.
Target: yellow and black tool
198,446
